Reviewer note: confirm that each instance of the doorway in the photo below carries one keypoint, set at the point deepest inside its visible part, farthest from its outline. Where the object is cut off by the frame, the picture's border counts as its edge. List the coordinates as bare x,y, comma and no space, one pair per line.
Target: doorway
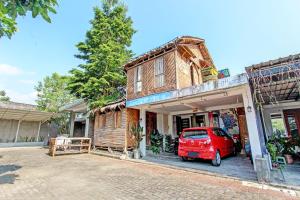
292,121
151,124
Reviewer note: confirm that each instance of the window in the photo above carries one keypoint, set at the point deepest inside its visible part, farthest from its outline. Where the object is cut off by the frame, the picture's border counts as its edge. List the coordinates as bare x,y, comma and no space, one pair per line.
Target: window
138,79
102,121
220,132
292,122
159,72
118,119
278,124
217,132
195,134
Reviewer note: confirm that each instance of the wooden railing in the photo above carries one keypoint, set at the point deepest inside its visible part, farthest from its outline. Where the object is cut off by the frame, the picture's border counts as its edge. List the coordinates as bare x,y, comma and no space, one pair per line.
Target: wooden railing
69,145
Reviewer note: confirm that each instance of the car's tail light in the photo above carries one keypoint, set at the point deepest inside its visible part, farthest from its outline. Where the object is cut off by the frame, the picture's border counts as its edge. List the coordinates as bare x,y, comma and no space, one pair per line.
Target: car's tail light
208,141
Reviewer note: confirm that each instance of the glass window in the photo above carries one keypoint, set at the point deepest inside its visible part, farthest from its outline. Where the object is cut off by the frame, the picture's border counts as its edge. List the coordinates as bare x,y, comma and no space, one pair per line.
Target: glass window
195,134
223,133
293,125
217,132
159,72
277,122
138,79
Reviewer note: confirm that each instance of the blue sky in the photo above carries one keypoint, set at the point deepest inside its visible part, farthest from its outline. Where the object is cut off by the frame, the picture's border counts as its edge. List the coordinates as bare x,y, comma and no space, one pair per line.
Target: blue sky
237,33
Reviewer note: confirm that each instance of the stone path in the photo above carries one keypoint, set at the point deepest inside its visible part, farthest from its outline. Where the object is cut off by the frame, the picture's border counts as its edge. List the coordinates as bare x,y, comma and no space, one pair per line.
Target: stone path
30,174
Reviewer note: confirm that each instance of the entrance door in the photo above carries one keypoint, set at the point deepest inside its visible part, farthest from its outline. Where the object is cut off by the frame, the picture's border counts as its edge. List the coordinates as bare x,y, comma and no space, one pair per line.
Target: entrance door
292,121
151,124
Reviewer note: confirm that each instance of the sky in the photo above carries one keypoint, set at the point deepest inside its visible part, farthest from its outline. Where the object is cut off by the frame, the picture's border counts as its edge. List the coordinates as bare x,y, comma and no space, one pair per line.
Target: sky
237,34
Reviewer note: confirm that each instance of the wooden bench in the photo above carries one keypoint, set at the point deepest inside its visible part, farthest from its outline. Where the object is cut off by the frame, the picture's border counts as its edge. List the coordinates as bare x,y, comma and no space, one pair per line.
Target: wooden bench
69,145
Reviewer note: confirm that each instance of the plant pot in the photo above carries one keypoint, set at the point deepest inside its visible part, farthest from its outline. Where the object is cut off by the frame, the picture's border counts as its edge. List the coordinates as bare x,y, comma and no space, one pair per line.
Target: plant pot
289,159
136,154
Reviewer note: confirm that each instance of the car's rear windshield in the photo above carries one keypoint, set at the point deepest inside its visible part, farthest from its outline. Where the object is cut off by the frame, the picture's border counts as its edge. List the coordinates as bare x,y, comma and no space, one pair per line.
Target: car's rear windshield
195,134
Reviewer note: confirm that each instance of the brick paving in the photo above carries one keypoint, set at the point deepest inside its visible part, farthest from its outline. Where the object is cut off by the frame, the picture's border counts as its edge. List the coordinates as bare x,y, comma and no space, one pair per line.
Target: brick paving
29,174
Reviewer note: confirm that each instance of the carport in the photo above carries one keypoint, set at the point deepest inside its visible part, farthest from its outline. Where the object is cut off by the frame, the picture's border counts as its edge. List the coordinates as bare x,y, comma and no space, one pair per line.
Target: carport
22,124
197,106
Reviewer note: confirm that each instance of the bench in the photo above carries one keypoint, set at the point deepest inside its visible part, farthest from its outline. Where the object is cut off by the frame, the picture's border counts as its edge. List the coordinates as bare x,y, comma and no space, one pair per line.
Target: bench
69,145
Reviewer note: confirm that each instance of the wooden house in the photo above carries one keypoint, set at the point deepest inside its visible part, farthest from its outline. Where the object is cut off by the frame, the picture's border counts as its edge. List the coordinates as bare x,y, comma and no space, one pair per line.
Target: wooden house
182,62
176,86
112,126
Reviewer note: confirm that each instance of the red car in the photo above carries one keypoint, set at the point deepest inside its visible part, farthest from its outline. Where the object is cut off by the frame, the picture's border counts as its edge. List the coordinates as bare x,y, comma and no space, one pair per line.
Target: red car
206,143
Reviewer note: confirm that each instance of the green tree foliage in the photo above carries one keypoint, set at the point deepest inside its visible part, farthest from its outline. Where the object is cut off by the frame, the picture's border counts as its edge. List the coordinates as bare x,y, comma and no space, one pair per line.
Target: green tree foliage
3,96
104,51
11,9
52,95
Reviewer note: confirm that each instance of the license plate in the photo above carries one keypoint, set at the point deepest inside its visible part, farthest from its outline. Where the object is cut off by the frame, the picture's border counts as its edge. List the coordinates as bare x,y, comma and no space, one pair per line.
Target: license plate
193,154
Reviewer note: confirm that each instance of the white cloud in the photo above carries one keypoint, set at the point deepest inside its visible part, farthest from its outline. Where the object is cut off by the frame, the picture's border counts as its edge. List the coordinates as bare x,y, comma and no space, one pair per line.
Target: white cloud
9,70
22,97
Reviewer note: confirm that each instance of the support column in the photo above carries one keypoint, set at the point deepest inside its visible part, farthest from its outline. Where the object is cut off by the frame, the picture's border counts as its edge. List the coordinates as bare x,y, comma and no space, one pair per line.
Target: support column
143,124
170,125
72,122
87,125
38,134
17,133
159,121
252,125
160,128
194,120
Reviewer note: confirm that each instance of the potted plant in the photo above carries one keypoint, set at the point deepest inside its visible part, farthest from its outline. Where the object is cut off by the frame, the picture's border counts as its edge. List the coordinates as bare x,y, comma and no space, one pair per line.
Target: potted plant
156,141
137,136
288,151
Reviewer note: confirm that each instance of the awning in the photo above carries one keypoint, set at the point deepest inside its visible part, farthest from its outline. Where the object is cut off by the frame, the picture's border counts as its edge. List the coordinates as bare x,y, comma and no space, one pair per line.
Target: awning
77,106
24,112
276,80
111,107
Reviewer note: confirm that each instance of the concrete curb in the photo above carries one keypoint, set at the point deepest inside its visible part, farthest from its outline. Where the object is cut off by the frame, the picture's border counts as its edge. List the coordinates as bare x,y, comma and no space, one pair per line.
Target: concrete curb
105,155
203,172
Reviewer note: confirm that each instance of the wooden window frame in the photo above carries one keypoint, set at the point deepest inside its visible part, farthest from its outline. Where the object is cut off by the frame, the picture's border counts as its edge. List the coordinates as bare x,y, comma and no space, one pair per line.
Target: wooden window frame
138,79
102,120
159,72
117,119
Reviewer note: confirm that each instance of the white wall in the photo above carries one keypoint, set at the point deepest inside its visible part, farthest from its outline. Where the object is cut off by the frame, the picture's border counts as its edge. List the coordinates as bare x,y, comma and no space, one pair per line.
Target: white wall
276,108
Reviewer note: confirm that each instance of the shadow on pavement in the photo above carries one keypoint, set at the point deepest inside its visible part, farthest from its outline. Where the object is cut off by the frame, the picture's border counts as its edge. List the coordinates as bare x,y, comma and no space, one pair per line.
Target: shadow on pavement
8,178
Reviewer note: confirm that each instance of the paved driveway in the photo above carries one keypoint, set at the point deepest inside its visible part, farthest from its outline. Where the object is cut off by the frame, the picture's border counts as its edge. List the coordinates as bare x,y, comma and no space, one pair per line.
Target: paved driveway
30,174
239,167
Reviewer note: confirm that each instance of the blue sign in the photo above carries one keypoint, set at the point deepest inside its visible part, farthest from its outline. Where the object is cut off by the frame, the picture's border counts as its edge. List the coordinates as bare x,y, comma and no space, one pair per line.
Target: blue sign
152,98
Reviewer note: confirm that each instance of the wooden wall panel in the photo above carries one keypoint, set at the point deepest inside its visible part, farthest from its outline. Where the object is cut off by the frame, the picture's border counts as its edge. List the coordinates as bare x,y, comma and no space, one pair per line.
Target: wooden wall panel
109,135
184,73
148,77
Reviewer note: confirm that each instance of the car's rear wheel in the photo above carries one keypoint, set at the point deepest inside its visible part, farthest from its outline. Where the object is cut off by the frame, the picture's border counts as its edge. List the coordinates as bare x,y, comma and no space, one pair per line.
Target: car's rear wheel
234,153
217,160
184,158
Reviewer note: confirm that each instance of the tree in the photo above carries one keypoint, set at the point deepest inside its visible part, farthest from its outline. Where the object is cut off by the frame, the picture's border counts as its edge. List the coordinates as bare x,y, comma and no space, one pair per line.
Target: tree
3,96
52,95
100,78
11,9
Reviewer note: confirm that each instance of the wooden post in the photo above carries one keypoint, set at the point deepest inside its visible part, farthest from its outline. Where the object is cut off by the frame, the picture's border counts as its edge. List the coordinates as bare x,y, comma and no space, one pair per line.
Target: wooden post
17,133
80,145
39,129
127,129
90,143
87,125
72,122
52,147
